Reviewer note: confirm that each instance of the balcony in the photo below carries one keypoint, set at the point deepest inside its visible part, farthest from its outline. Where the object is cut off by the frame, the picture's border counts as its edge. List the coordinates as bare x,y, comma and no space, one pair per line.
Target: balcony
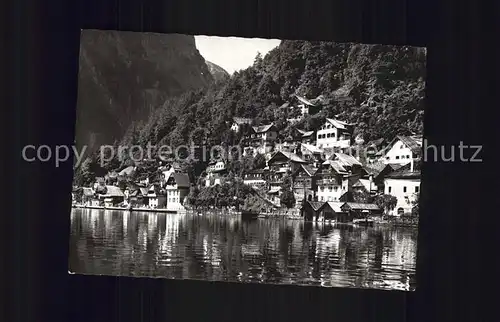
323,182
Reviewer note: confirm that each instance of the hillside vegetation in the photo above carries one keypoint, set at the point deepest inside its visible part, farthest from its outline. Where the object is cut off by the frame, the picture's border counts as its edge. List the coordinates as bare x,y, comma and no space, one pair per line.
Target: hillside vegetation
381,88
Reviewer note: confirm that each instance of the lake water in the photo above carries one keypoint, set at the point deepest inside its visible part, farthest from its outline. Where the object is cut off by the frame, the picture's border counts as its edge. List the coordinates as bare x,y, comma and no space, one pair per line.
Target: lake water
226,248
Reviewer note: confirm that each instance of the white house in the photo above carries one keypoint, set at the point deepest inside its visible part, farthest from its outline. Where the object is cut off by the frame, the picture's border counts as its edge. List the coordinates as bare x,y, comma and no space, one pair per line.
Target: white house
156,197
404,184
255,178
334,134
177,189
238,122
402,150
261,140
307,107
214,172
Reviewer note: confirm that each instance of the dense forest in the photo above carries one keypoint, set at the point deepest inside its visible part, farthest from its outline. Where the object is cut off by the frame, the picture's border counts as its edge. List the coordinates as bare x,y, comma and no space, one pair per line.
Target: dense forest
380,88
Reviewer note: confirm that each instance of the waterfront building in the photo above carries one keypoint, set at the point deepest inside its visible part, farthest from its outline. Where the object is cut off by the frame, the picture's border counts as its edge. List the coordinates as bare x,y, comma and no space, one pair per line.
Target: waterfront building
156,197
404,184
136,196
361,210
304,183
89,197
334,134
310,210
177,189
112,196
332,210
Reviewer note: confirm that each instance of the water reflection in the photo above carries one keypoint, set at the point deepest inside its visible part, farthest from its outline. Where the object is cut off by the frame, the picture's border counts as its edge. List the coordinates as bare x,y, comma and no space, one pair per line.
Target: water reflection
225,248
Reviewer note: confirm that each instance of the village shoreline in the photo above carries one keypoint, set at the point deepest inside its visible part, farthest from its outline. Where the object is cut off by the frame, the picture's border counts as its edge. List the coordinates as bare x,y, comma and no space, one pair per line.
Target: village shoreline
289,215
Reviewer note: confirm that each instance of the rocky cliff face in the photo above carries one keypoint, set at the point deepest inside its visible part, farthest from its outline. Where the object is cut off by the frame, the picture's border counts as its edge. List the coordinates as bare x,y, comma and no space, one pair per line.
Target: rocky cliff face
125,75
218,73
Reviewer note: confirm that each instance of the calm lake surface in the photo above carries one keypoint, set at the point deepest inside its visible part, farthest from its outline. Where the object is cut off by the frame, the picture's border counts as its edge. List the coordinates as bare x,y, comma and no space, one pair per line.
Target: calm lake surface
226,248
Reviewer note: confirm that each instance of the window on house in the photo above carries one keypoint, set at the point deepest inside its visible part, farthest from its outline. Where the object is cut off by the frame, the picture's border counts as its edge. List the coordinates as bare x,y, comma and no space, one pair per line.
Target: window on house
390,189
335,188
407,156
404,189
387,158
322,199
416,189
397,157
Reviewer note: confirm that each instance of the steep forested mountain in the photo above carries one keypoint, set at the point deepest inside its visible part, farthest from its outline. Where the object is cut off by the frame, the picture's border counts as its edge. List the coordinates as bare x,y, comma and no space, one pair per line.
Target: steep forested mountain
125,75
381,88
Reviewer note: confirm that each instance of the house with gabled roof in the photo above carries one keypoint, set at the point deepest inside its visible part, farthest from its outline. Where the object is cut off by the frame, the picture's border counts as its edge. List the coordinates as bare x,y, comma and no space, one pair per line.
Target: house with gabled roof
261,139
332,210
135,196
372,149
334,134
310,210
361,210
255,178
304,183
404,184
282,164
308,107
401,150
239,122
177,188
156,196
112,196
310,152
307,137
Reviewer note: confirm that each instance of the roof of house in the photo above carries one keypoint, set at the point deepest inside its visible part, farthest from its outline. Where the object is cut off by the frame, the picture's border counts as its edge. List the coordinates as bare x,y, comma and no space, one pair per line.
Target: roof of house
336,206
127,171
242,120
113,191
335,164
316,205
263,128
344,159
358,184
375,168
405,172
412,142
181,179
274,190
305,133
88,192
338,124
309,169
362,206
311,148
144,191
290,156
375,143
305,100
112,174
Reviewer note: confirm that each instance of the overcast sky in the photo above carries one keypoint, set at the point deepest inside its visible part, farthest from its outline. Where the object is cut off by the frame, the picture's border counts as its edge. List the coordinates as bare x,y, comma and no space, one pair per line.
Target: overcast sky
233,53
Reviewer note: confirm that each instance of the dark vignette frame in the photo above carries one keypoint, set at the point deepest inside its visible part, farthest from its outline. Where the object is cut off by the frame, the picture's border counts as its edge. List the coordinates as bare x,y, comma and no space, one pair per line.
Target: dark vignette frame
44,75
